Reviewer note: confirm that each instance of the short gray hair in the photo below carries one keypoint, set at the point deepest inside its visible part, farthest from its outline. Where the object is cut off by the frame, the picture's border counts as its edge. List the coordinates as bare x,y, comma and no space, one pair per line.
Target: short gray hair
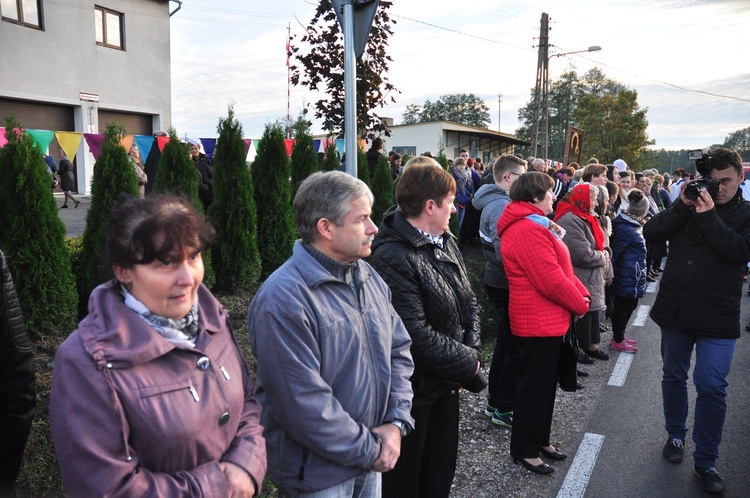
325,195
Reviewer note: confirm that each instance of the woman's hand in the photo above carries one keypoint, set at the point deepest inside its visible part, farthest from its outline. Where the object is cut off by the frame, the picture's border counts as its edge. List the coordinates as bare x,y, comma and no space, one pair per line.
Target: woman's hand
238,481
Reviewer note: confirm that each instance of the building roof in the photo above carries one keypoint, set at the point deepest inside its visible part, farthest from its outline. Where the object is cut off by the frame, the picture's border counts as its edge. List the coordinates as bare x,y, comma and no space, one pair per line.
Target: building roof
482,133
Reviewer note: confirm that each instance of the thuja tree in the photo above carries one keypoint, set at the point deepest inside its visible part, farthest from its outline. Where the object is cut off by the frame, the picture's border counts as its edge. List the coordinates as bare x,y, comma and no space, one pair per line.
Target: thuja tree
304,155
235,257
363,172
113,175
33,237
177,176
270,173
382,190
331,162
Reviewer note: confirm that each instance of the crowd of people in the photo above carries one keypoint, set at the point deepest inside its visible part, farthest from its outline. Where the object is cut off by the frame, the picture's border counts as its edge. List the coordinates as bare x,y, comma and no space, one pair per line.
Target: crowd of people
359,363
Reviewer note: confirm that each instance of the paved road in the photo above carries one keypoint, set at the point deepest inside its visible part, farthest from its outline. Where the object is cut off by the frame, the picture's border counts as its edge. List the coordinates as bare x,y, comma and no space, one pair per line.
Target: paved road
74,219
628,422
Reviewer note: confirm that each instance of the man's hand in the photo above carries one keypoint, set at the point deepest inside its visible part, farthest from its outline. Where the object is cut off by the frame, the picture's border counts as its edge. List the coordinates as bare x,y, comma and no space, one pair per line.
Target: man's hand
703,203
390,447
238,481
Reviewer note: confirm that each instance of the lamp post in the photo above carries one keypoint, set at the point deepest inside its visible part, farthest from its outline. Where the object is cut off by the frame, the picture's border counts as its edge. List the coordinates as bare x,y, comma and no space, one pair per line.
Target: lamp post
543,96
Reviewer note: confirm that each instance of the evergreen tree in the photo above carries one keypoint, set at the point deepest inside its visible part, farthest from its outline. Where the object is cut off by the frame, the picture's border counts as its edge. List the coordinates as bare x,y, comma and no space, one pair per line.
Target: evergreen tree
113,175
33,237
235,257
270,174
178,176
304,155
382,190
332,161
442,159
363,172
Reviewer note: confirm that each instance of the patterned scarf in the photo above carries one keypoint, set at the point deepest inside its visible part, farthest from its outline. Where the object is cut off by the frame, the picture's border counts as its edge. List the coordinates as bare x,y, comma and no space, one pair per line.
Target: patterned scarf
578,202
554,228
182,332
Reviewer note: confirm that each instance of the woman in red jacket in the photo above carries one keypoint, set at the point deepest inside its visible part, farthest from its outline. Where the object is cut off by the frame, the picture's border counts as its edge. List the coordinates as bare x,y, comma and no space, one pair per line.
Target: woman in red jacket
544,296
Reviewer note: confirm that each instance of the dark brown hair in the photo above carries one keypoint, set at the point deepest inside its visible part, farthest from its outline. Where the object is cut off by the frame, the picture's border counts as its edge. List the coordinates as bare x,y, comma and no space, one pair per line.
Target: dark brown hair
531,187
161,227
421,182
591,170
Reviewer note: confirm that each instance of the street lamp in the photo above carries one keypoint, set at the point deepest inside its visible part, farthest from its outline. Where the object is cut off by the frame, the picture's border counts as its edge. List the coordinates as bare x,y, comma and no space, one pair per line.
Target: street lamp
542,101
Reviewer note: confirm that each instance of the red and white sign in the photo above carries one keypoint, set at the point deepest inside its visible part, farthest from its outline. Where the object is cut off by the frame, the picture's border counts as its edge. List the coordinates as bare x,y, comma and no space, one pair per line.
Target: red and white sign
88,97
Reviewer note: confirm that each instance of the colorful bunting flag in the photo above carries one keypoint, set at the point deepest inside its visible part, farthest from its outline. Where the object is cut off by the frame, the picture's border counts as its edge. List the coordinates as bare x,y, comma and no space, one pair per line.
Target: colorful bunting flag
127,142
69,142
209,145
3,140
289,143
247,145
144,143
42,137
94,141
341,145
316,145
161,142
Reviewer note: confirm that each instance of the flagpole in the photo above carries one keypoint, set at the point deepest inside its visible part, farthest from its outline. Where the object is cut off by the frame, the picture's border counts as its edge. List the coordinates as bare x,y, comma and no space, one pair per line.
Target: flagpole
288,81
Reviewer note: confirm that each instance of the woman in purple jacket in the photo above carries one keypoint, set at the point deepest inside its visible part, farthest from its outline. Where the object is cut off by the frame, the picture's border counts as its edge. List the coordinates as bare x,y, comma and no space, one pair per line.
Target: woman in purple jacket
151,395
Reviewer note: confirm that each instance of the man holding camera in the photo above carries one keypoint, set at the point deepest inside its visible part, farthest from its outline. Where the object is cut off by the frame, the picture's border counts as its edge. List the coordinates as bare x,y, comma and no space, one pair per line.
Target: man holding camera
698,304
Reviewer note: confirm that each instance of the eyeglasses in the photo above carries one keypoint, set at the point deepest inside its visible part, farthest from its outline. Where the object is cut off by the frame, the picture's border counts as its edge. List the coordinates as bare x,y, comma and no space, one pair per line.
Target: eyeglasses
514,173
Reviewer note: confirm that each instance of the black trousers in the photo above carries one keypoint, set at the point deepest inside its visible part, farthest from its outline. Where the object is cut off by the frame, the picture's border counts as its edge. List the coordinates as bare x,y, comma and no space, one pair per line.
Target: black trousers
587,330
428,454
535,395
504,366
624,307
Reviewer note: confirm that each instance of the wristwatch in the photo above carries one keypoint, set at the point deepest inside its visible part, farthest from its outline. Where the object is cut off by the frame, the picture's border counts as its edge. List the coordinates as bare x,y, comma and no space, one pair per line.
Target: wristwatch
401,426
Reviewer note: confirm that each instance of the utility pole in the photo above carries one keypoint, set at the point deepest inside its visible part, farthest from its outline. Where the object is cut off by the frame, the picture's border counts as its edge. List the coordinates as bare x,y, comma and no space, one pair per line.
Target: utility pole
499,103
542,82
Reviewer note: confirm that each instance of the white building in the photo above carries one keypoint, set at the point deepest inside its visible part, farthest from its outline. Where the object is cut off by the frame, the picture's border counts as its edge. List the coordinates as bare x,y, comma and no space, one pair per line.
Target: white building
76,65
414,139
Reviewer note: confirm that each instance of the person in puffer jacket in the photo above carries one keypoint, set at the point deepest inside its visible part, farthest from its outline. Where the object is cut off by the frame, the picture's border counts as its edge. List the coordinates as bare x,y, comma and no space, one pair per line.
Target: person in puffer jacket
418,258
545,296
629,262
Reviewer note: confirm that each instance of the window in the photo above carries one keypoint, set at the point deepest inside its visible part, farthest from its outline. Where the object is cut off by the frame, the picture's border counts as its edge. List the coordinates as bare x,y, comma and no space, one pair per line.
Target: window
108,27
26,12
405,151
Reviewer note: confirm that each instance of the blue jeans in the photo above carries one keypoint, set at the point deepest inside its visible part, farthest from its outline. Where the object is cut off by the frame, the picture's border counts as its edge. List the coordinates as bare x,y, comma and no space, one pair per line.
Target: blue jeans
713,359
364,486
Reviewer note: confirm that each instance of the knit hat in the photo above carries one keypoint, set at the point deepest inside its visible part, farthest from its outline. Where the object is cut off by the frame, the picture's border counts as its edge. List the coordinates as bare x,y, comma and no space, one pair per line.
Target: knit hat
637,203
620,164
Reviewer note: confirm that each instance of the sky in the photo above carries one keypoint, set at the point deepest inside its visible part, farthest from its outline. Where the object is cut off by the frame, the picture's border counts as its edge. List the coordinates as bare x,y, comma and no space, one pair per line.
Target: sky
687,59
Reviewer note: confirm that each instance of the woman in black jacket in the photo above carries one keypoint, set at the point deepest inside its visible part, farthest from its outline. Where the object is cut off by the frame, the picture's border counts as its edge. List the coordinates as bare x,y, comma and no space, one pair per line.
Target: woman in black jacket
418,258
17,383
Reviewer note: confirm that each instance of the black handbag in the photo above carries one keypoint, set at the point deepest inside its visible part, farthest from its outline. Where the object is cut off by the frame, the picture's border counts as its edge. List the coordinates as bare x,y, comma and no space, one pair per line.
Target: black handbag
567,363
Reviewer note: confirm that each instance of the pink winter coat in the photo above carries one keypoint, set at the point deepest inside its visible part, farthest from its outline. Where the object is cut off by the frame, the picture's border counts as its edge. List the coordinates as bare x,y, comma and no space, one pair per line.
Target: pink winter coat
544,291
134,415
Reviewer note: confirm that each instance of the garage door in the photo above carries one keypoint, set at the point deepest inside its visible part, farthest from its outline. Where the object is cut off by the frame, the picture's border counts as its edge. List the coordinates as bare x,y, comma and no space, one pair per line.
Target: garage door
135,124
40,116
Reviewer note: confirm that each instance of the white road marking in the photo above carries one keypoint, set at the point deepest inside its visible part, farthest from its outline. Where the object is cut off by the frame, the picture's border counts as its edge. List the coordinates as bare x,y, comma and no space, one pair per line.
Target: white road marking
651,287
641,315
620,372
583,465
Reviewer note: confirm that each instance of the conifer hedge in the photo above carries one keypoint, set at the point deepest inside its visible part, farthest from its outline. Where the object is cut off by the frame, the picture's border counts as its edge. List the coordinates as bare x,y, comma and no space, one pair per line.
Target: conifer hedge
234,254
113,176
272,193
332,160
32,237
304,156
382,190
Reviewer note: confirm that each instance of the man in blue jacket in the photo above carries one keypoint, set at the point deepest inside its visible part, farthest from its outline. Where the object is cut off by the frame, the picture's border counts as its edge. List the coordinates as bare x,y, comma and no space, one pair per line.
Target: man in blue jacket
332,354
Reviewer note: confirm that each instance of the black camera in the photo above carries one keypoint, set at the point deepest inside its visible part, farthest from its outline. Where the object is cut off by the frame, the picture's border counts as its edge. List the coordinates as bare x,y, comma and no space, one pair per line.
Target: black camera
693,189
702,158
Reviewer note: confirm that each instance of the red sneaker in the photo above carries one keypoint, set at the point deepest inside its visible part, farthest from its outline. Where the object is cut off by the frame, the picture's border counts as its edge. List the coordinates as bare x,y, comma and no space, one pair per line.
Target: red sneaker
622,346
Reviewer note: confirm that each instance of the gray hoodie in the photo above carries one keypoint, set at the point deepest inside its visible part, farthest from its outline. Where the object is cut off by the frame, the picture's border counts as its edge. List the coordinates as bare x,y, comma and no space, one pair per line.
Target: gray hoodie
491,200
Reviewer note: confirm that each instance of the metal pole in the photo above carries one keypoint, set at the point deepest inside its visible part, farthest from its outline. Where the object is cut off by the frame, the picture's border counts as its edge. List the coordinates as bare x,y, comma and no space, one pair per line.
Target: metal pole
350,89
499,104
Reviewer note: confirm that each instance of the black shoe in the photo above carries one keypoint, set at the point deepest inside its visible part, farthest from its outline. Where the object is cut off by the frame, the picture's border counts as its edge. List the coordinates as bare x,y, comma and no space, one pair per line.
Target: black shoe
579,386
649,278
542,468
598,354
553,455
658,269
582,373
64,206
747,327
602,327
711,481
77,203
674,450
582,358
